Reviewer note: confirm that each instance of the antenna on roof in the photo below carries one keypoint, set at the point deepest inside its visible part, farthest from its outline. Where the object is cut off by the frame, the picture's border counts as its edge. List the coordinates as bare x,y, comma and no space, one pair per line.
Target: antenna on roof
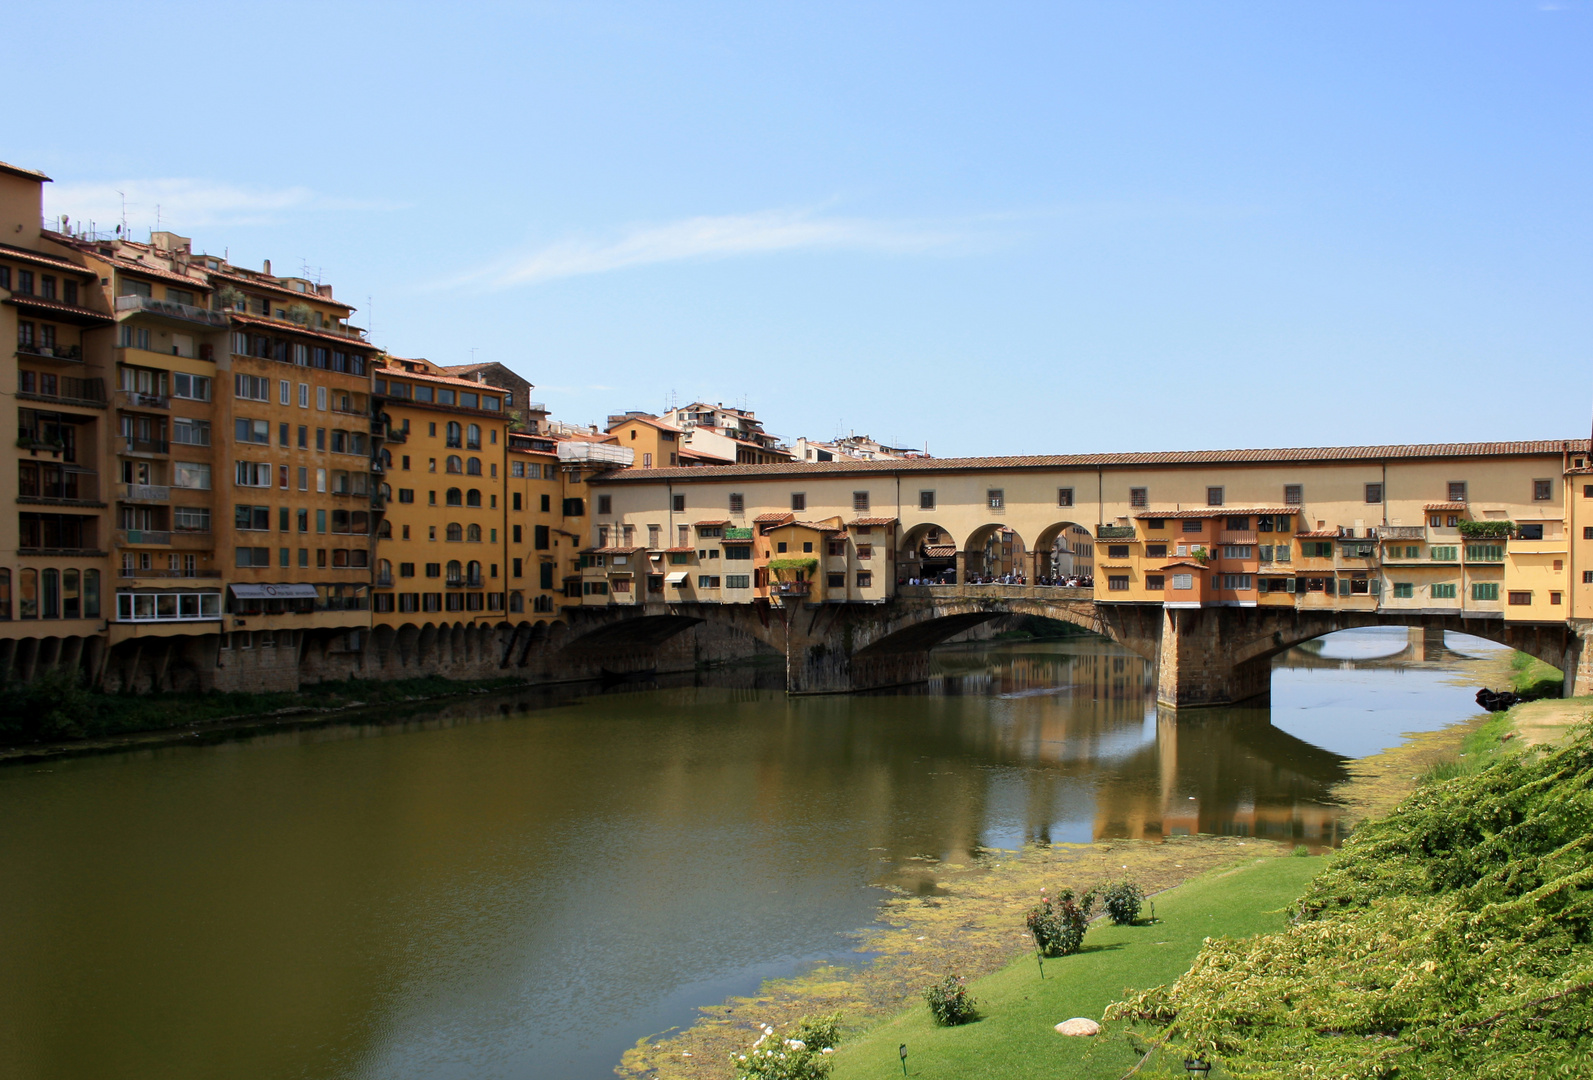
121,230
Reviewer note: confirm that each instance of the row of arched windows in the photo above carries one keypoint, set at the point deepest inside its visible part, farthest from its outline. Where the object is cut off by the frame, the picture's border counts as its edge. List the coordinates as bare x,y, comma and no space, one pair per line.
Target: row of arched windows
470,467
453,497
470,534
471,433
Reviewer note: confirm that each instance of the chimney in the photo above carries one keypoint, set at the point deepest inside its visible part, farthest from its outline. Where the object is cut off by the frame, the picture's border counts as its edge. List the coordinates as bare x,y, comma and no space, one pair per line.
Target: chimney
268,268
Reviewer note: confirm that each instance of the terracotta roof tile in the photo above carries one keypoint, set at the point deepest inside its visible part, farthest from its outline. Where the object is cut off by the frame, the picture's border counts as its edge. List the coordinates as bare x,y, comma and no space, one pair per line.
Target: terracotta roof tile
871,521
940,551
711,522
1445,506
1217,511
770,519
69,312
294,328
1412,451
11,251
279,290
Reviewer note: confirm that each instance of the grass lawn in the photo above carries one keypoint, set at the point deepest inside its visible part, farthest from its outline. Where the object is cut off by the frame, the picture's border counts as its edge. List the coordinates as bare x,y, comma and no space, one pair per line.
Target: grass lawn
1015,1037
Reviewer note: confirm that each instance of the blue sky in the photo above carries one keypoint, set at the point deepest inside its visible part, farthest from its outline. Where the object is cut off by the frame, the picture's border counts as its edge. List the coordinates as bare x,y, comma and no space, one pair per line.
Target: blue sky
1045,228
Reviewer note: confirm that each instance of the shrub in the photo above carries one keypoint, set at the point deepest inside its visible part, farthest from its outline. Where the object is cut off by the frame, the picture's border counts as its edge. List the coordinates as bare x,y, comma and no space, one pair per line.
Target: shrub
55,705
796,1058
950,1003
1122,901
1058,925
820,1032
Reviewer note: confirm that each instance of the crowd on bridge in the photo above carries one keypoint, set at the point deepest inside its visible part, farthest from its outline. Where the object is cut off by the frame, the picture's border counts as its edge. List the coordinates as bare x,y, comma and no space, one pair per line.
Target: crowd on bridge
1071,581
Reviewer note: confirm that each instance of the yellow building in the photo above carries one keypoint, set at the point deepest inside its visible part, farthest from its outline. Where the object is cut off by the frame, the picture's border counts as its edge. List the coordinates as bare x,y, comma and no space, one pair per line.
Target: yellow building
537,537
443,552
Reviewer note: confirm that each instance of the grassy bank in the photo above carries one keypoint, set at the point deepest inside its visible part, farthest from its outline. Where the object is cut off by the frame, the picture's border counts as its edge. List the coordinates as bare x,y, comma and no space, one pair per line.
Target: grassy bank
1015,1038
57,708
1532,678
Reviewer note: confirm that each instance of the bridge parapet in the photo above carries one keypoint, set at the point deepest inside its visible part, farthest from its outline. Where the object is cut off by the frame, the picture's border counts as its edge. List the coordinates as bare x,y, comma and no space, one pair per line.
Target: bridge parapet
1053,593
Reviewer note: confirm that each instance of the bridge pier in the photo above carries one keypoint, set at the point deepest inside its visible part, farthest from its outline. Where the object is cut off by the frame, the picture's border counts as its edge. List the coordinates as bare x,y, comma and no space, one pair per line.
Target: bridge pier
1196,664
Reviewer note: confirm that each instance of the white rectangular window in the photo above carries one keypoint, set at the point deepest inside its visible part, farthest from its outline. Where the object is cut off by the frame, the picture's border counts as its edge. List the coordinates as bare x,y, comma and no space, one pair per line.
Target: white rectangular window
301,355
284,391
320,398
304,395
191,474
251,387
192,387
320,480
1183,581
252,474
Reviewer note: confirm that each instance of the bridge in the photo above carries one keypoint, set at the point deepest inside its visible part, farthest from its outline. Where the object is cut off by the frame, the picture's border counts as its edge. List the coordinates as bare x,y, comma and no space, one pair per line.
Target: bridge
1203,656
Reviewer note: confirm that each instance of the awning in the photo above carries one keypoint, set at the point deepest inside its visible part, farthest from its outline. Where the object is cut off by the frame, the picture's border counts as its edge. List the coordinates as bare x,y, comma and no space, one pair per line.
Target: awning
677,578
273,592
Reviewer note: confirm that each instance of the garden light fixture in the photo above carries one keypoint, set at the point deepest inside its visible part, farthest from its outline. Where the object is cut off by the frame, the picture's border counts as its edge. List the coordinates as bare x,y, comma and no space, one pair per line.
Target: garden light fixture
902,1050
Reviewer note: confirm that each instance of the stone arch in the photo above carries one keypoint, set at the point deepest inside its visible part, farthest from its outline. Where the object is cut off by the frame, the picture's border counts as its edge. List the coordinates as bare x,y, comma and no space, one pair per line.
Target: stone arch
924,628
992,551
382,639
1064,549
644,631
927,550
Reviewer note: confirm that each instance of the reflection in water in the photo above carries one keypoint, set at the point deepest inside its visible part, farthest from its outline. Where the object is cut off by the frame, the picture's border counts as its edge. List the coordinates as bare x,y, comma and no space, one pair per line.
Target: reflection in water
522,886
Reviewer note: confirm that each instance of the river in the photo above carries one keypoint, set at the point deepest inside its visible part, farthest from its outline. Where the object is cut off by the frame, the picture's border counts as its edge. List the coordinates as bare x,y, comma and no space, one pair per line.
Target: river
523,886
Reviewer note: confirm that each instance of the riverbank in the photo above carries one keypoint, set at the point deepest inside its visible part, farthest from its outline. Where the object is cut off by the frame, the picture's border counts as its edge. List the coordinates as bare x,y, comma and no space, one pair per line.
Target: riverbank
972,920
66,720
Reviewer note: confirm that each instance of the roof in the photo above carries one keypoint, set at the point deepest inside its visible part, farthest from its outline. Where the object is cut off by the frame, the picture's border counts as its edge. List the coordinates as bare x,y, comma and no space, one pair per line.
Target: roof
1183,562
295,328
940,551
447,380
26,174
871,521
68,312
1326,454
1319,534
267,285
650,421
769,519
136,267
610,550
1217,511
1445,506
714,521
816,526
679,551
11,251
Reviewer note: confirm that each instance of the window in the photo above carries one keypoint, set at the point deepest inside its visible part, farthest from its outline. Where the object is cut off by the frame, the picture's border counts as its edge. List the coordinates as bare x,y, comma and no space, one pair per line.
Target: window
1238,582
1442,591
1192,525
406,495
738,581
194,519
865,579
1485,553
1138,496
1214,496
1374,493
1293,494
738,502
799,501
1542,490
1183,581
253,556
195,476
455,532
251,388
454,464
1530,532
1442,553
995,498
540,537
252,474
926,500
320,398
1117,583
605,504
1457,493
473,437
707,581
1520,599
1156,551
1404,590
1485,590
859,500
473,467
1238,551
1238,524
256,518
473,497
1064,496
1117,551
865,552
191,387
836,581
677,503
252,431
1554,597
577,507
1155,582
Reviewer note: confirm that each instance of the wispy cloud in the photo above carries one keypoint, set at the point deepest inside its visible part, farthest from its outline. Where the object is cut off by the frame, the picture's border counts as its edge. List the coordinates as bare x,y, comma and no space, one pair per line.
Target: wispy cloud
722,237
190,203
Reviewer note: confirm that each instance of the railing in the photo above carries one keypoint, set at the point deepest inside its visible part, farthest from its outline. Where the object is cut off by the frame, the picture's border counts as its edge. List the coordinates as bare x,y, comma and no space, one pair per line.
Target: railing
140,400
146,493
384,581
394,435
536,406
464,583
1114,532
170,309
134,572
75,487
142,536
791,588
1402,532
145,446
52,352
1236,536
65,389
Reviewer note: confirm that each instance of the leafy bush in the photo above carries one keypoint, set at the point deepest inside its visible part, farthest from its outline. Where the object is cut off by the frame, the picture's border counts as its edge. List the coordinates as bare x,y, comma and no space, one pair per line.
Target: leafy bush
804,1056
1122,901
1452,938
1473,530
950,1003
1058,925
55,705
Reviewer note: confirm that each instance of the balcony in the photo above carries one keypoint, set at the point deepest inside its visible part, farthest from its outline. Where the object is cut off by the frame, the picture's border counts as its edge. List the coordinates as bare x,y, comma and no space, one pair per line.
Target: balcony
60,486
65,390
142,537
378,428
791,588
145,493
145,448
72,353
384,581
170,309
1402,532
397,436
134,399
1114,532
133,572
464,583
1236,536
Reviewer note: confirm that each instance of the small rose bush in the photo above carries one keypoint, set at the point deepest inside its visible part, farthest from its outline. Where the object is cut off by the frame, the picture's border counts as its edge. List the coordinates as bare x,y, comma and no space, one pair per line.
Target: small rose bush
1058,923
950,1003
1122,901
803,1056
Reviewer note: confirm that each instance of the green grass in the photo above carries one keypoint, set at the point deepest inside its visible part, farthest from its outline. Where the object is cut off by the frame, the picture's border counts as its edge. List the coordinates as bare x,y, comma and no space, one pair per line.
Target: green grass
1532,678
1015,1037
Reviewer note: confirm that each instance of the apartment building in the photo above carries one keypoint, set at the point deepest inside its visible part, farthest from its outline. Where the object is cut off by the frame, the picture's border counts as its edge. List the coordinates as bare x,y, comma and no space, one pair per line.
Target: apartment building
731,436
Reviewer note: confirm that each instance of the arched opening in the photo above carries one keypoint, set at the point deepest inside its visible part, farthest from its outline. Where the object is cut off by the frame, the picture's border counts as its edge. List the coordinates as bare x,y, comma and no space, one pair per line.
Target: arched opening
1064,554
994,553
928,554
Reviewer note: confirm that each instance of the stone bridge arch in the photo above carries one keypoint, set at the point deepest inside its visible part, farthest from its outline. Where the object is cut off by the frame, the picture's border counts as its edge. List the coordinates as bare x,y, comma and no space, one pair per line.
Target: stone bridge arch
994,550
